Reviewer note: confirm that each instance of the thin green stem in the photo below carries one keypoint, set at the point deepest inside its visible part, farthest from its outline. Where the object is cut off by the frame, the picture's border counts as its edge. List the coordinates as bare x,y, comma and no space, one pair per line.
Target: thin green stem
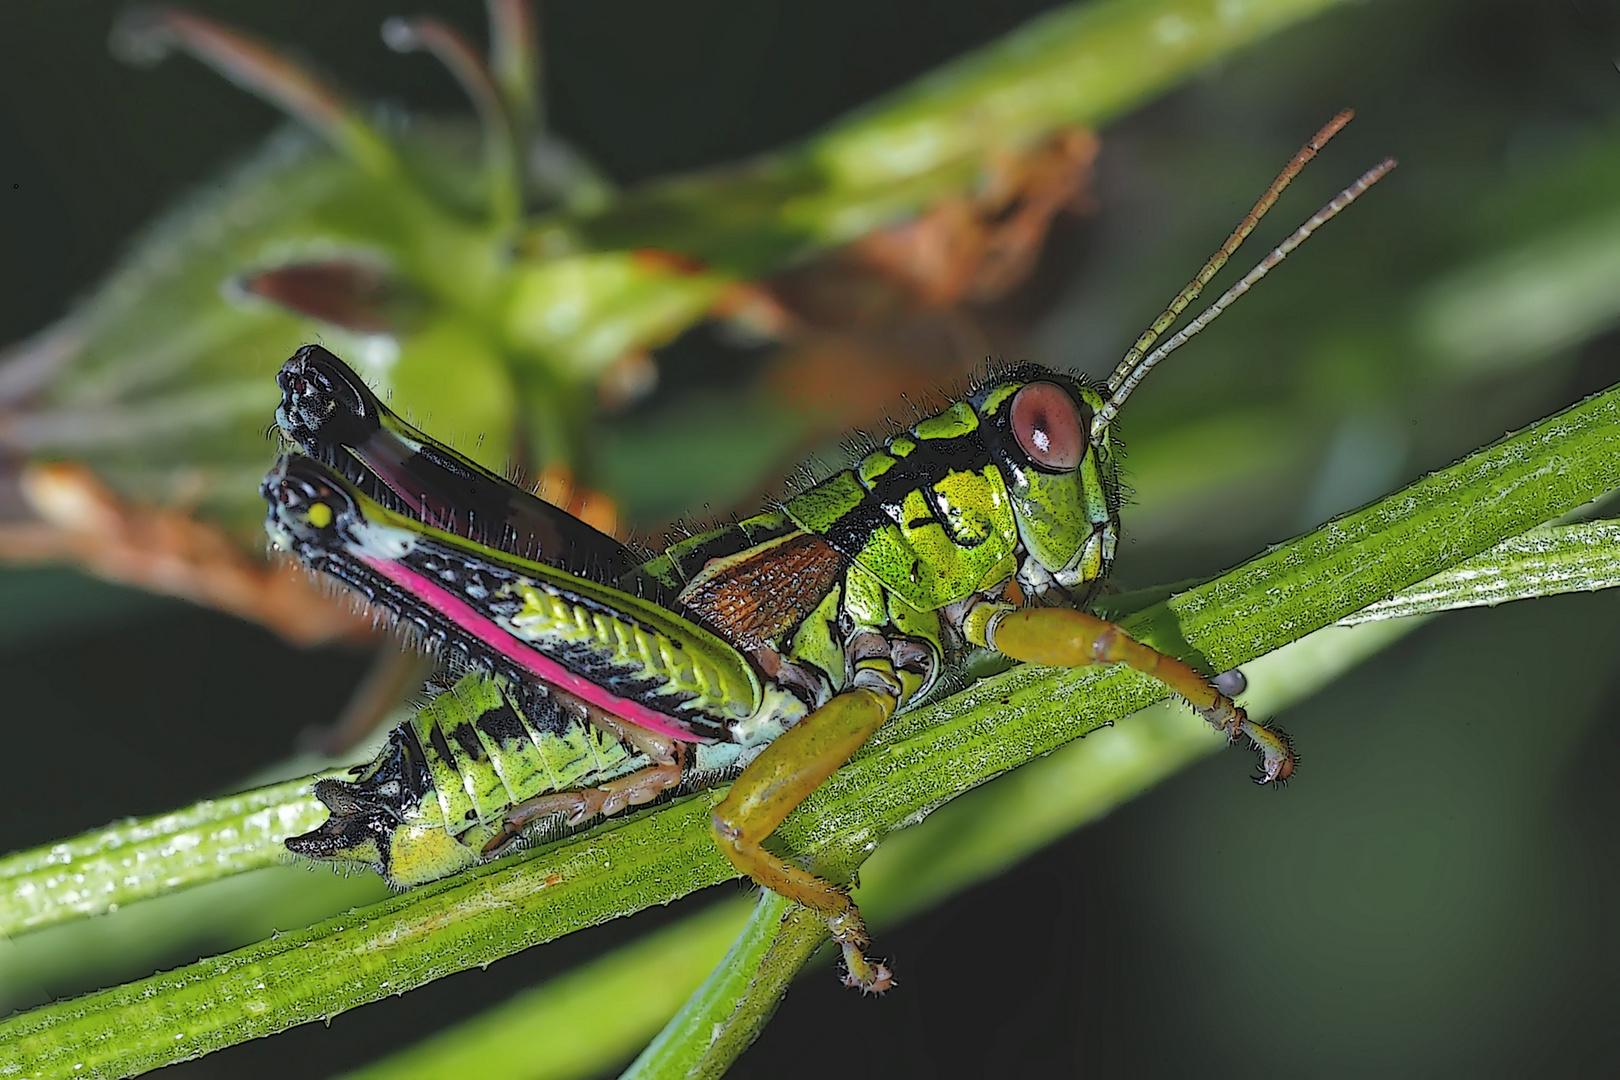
133,860
739,997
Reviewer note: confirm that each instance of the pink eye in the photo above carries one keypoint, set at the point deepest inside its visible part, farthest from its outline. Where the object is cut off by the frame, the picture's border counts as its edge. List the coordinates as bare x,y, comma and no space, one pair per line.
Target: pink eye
1047,425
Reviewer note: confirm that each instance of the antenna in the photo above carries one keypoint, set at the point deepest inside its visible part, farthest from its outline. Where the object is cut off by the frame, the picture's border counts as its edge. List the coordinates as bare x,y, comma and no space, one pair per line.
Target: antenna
1138,361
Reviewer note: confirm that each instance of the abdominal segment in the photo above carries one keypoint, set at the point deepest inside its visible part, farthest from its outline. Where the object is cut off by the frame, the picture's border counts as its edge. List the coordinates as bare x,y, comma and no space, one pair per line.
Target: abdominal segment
488,765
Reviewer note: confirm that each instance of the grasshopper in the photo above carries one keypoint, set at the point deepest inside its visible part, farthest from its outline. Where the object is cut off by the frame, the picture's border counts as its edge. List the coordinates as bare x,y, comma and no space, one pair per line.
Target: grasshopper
764,653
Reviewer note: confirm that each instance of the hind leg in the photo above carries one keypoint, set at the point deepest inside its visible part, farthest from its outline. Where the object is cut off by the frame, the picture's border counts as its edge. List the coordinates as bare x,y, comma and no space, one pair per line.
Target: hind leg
578,807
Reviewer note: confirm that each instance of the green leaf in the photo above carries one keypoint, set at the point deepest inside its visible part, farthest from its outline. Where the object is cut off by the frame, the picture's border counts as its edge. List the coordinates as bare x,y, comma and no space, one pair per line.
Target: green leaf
1542,562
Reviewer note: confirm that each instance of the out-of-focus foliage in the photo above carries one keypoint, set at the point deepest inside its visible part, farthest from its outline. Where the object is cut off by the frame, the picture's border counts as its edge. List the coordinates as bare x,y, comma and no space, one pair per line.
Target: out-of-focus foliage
410,251
1429,894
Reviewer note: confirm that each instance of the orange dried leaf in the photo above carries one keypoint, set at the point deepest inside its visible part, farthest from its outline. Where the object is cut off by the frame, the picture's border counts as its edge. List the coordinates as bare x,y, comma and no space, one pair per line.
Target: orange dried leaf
165,551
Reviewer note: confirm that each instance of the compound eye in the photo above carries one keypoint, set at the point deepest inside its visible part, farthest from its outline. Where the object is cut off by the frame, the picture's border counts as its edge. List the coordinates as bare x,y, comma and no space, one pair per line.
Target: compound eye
1048,426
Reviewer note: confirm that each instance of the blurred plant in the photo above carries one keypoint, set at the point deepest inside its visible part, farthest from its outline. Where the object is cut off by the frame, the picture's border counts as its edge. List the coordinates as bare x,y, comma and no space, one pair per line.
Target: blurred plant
167,551
430,269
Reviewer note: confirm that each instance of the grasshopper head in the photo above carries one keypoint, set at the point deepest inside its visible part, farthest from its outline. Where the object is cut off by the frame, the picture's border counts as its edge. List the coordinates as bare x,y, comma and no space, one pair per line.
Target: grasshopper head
1060,478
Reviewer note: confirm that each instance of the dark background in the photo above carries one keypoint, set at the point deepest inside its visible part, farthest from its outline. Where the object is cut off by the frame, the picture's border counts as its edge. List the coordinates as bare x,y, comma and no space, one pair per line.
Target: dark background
1429,896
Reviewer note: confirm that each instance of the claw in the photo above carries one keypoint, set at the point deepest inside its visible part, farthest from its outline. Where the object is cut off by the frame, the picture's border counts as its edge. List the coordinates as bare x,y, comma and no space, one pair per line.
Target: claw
863,975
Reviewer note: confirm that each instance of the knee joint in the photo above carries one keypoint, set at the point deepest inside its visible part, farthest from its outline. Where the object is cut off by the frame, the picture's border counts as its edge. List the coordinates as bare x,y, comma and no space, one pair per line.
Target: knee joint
726,833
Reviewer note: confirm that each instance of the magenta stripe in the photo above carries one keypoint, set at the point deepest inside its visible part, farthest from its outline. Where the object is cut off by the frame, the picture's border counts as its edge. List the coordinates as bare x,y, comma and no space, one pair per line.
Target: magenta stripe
461,613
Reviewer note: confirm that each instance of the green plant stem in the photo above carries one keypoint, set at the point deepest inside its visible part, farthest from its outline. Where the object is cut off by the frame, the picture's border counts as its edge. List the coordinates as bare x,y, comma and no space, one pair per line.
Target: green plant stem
739,997
918,763
1508,488
1079,65
540,1033
132,860
84,954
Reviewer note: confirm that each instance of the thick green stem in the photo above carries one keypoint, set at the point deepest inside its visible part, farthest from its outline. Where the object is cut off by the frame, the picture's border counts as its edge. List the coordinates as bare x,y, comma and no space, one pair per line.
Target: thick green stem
918,763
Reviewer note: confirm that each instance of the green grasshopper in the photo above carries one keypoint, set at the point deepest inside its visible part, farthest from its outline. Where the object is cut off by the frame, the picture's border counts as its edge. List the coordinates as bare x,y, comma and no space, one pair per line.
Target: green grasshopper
764,652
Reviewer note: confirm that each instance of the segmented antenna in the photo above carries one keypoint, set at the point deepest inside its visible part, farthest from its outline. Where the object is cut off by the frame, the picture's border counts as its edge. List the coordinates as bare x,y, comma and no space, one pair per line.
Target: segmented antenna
1138,361
1233,242
1343,199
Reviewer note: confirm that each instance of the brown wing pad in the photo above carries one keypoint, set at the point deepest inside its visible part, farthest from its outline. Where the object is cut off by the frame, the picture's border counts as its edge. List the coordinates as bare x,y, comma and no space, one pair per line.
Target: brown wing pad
757,597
